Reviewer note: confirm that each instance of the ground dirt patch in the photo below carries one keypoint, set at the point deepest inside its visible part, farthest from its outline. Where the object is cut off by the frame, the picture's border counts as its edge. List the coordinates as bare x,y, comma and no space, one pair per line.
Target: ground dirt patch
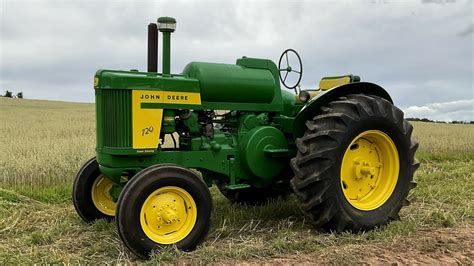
427,246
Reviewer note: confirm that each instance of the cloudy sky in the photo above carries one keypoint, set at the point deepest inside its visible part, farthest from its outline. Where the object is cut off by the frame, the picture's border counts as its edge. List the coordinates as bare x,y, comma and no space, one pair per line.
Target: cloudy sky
421,51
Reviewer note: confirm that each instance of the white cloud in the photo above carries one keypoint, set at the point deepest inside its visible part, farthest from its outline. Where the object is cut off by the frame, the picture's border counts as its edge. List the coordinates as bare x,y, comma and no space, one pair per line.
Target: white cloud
448,111
51,49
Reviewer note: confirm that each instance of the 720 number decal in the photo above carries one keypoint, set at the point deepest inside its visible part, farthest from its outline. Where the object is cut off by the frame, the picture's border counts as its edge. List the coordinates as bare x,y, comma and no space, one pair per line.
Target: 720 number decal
147,130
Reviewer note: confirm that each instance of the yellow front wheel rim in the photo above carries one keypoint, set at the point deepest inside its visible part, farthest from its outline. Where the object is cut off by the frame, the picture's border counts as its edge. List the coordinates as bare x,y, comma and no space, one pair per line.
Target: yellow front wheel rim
101,196
168,215
369,170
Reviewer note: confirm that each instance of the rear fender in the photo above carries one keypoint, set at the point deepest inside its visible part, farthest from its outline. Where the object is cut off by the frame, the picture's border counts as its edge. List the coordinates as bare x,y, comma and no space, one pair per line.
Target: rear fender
313,107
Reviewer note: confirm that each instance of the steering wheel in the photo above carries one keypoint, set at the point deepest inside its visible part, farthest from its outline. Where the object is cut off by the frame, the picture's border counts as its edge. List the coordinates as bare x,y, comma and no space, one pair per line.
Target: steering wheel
285,71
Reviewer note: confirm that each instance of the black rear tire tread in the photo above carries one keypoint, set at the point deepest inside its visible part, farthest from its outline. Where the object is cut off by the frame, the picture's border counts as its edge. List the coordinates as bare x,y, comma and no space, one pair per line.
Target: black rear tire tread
316,163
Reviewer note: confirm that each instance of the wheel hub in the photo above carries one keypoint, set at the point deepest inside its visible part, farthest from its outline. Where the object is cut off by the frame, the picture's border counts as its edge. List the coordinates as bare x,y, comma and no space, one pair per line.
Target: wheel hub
100,194
168,215
363,169
369,170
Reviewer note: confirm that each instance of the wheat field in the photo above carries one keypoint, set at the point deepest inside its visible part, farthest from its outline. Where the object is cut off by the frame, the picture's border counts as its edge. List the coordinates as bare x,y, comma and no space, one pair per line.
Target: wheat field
44,143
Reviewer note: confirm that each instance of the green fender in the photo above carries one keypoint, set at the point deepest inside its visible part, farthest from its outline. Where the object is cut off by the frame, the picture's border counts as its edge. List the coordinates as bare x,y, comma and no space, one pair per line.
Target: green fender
313,107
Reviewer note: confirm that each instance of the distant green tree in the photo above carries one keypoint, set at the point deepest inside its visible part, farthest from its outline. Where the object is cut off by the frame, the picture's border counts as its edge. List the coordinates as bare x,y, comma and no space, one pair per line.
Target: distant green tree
8,94
19,95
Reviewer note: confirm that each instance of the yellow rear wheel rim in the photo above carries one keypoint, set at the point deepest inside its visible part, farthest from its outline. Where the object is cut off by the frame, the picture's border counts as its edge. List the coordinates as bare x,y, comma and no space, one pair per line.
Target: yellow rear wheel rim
369,170
168,215
101,196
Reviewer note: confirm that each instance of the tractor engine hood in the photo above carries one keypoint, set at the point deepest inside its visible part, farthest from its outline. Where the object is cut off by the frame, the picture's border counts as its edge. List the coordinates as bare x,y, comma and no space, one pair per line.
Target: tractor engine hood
248,81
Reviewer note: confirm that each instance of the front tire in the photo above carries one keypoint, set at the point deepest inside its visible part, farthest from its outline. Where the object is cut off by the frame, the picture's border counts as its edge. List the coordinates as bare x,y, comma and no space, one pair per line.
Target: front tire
90,193
164,205
355,164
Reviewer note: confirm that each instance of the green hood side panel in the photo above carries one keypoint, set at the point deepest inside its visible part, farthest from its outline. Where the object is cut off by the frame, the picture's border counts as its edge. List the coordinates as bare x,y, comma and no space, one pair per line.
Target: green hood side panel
232,83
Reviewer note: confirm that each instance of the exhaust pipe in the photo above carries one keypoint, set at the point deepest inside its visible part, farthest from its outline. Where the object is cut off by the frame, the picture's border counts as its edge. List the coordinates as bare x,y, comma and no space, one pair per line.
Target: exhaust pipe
152,48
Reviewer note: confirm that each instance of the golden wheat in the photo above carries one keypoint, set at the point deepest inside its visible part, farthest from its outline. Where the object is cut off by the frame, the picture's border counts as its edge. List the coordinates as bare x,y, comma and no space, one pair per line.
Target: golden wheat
439,139
44,143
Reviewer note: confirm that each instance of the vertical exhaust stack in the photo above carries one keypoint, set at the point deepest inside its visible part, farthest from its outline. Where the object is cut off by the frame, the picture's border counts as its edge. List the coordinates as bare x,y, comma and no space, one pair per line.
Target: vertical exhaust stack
166,25
152,65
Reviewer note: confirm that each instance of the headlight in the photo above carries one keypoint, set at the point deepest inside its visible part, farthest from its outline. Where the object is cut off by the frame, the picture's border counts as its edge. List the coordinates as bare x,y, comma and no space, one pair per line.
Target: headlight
304,96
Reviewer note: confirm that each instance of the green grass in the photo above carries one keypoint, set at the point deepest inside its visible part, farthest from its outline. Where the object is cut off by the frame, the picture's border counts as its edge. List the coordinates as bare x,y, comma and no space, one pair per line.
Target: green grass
44,144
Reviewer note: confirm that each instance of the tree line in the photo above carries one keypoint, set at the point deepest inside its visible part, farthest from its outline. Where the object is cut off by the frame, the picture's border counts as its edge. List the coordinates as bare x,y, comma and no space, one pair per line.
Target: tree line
9,94
19,95
436,121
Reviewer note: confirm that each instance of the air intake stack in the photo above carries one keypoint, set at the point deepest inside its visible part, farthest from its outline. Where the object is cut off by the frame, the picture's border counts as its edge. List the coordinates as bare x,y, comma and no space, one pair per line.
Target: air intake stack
166,25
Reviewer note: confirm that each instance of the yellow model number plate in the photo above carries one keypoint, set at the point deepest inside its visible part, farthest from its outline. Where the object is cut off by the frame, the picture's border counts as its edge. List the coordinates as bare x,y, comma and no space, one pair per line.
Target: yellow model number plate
146,123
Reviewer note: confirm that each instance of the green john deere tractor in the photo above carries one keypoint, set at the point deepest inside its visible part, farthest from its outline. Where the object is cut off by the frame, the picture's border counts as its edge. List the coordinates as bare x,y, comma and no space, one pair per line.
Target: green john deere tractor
344,149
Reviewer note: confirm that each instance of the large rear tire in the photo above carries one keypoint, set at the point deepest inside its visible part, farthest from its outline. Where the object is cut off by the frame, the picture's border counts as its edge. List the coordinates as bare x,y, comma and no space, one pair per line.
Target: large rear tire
355,164
164,205
90,193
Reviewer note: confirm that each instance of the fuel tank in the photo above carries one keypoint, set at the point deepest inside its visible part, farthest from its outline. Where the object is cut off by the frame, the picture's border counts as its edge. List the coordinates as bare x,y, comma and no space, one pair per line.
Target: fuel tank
233,83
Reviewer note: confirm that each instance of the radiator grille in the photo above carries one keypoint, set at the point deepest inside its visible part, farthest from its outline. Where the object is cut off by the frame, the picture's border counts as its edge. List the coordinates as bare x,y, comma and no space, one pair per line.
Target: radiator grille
116,118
